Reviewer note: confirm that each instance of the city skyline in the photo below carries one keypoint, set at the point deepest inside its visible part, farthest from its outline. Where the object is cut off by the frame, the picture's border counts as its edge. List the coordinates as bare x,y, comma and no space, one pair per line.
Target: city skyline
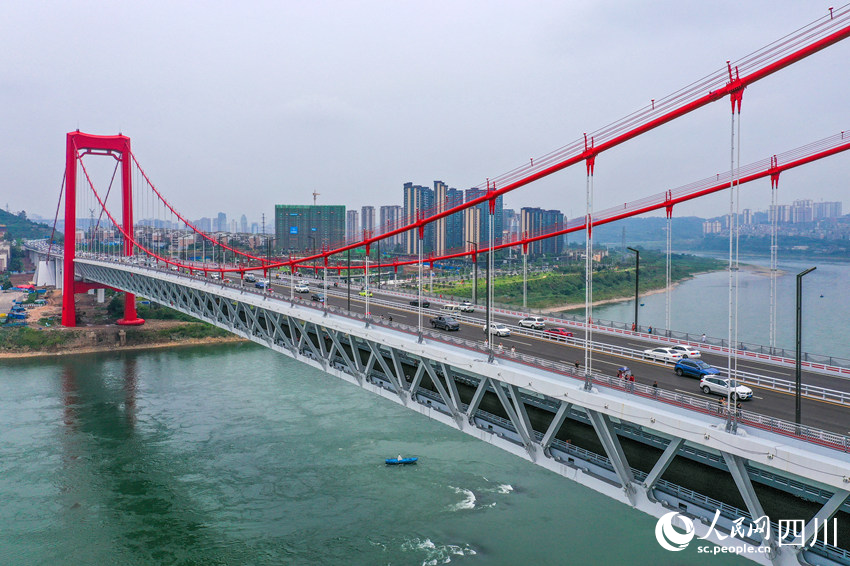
506,69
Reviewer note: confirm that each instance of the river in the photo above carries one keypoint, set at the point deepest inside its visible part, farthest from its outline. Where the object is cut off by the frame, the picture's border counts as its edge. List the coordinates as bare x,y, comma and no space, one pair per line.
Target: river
234,454
701,305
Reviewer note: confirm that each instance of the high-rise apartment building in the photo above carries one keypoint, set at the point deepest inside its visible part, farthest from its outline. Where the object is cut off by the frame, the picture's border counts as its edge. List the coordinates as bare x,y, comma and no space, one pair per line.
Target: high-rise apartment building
484,234
536,221
243,224
390,219
824,210
472,229
448,231
454,222
352,226
304,228
418,203
220,224
802,211
367,219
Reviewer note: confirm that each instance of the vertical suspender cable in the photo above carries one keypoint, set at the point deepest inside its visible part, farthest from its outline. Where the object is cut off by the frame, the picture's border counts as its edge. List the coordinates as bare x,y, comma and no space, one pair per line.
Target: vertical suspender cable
669,270
774,188
588,276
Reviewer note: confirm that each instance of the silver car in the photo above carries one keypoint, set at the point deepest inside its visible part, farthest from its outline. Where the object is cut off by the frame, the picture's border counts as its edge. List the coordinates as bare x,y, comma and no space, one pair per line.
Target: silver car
721,386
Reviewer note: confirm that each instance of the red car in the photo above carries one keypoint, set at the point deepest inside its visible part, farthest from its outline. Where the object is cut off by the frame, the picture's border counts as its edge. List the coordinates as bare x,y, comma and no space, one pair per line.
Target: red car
559,332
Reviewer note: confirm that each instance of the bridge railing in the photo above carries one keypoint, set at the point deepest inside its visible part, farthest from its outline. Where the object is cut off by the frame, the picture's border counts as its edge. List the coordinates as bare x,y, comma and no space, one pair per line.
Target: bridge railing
747,378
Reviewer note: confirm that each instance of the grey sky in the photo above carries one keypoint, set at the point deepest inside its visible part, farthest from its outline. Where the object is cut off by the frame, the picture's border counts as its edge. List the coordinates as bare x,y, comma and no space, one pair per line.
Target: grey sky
237,106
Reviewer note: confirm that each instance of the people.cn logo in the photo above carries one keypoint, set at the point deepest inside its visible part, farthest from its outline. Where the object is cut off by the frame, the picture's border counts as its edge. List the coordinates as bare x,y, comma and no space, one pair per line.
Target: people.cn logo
671,539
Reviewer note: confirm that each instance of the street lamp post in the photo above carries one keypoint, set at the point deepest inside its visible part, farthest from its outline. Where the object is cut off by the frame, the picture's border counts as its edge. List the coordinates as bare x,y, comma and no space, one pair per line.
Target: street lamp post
797,369
637,281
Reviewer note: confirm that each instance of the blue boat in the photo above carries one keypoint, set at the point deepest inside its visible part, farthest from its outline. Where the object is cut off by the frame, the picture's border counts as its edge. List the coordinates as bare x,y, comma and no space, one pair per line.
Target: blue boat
400,462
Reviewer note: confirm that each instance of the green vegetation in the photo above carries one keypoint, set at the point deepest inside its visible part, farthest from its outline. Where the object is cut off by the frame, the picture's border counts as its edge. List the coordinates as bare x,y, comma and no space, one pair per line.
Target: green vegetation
613,278
184,332
28,339
18,227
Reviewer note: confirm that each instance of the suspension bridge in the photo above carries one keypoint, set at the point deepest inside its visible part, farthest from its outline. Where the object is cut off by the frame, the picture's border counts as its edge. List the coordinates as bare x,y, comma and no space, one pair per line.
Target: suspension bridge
526,394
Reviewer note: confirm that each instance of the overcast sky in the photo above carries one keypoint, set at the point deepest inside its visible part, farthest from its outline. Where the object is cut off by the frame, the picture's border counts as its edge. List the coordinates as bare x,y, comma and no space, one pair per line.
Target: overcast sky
238,106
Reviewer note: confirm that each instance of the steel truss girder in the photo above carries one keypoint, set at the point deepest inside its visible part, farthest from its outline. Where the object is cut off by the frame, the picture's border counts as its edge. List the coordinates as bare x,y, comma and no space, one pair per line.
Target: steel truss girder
661,466
480,390
447,400
337,347
824,514
379,357
520,422
555,426
614,450
305,338
737,467
452,386
417,379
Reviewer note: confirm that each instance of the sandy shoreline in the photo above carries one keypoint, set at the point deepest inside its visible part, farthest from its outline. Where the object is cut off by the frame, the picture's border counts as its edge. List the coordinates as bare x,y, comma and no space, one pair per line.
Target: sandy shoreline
95,349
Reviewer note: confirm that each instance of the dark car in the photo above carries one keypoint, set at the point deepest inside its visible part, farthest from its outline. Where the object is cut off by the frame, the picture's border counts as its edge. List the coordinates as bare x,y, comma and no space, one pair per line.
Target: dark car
694,368
317,297
559,332
445,322
425,303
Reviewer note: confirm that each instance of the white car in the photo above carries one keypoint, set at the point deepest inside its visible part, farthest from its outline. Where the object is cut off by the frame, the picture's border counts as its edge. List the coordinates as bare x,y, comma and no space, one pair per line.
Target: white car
215,276
534,322
721,386
687,351
302,288
466,306
662,355
498,329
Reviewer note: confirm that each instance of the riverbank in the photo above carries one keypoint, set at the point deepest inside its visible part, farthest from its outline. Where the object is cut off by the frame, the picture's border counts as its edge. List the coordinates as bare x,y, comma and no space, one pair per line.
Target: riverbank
12,355
97,332
573,307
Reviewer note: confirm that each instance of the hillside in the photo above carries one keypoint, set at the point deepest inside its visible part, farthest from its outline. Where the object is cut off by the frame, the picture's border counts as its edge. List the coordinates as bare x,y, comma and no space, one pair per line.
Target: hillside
19,227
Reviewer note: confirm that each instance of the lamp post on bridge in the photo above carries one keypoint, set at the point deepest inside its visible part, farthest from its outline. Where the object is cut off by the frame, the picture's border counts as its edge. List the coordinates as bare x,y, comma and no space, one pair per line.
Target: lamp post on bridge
798,373
637,281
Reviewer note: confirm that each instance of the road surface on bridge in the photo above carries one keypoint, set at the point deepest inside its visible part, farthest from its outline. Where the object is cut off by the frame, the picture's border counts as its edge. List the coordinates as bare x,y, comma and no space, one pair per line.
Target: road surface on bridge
816,413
